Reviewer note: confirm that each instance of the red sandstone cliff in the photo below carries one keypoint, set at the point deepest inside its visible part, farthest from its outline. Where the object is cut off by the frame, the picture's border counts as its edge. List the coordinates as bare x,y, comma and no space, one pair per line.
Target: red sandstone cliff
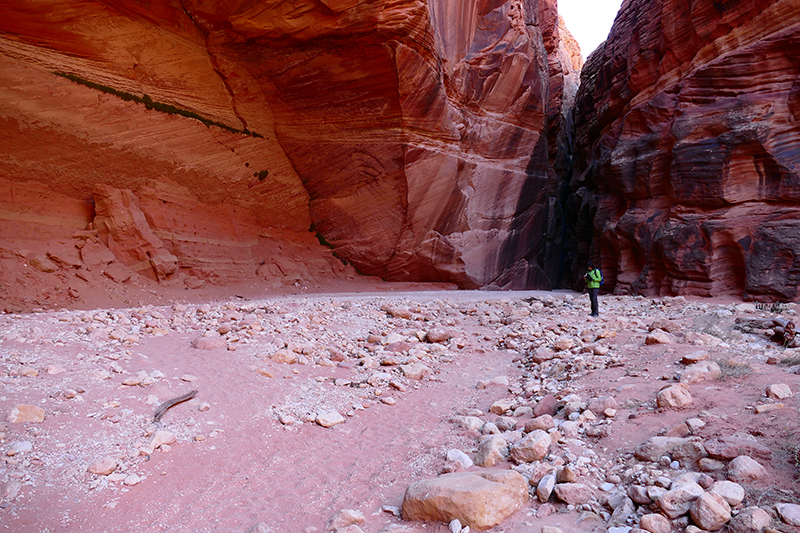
202,139
687,173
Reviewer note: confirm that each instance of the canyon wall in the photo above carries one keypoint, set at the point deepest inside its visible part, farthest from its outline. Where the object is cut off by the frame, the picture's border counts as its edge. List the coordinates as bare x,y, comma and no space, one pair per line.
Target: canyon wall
220,141
687,158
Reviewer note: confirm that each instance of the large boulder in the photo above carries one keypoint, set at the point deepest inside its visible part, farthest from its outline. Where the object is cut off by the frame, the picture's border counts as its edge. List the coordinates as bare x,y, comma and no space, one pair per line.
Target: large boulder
480,500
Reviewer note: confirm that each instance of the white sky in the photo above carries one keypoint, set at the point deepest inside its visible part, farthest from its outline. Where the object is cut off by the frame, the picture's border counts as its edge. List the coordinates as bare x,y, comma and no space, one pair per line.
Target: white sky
589,20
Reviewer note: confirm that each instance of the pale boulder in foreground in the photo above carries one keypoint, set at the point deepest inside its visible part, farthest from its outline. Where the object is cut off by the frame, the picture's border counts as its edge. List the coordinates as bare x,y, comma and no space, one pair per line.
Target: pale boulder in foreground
480,500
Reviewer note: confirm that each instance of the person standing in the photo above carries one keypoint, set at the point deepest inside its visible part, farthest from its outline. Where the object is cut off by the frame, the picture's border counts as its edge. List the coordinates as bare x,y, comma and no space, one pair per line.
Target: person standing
594,278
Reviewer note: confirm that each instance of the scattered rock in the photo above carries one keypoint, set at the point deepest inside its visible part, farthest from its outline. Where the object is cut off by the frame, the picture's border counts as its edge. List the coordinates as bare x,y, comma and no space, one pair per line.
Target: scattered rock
670,326
694,424
345,518
702,371
744,469
658,337
454,526
491,451
729,447
438,335
133,381
19,447
506,423
287,357
779,391
710,511
678,501
533,447
27,372
132,480
789,513
26,413
66,256
162,437
622,512
42,263
674,396
416,371
601,404
563,343
655,523
545,487
118,272
501,406
768,408
548,405
694,357
570,429
750,520
460,457
689,452
94,253
544,422
731,492
638,494
329,419
104,466
708,464
472,423
654,448
574,493
209,343
566,475
698,338
542,354
287,420
500,381
11,490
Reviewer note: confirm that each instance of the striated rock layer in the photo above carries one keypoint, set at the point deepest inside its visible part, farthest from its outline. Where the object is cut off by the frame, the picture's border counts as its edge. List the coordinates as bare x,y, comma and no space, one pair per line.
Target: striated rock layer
687,171
205,139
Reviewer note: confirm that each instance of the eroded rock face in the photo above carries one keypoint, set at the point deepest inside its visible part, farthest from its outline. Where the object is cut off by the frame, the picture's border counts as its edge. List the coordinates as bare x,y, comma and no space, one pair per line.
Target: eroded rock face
417,147
687,148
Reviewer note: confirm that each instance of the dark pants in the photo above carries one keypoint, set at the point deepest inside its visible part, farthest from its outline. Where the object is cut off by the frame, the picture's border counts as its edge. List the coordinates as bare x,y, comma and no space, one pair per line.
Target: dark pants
593,298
